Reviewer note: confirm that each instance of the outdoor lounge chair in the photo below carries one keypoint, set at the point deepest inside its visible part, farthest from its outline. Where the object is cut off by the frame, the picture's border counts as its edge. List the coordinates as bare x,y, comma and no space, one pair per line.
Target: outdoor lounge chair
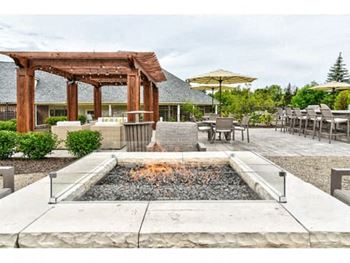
336,184
328,118
244,126
176,137
223,126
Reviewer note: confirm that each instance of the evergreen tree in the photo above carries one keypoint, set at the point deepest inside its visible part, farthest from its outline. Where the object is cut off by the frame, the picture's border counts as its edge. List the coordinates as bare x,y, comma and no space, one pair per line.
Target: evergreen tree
338,72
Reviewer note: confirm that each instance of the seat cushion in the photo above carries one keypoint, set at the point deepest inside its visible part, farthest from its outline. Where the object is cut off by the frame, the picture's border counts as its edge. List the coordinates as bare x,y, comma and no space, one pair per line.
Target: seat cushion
204,128
340,120
239,128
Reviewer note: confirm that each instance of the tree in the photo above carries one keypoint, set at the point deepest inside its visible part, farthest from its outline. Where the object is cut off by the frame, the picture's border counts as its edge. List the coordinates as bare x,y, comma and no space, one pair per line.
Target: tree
287,98
342,100
338,72
306,96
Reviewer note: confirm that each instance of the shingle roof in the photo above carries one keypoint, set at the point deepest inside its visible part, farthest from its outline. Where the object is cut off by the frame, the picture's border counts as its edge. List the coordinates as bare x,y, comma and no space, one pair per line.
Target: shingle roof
52,89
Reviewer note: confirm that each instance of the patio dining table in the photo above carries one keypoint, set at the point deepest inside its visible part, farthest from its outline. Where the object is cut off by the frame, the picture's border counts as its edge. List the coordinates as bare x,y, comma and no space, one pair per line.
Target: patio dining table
212,125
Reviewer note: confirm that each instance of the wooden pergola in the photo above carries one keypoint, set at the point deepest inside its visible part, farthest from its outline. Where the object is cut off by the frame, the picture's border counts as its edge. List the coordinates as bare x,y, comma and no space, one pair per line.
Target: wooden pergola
99,69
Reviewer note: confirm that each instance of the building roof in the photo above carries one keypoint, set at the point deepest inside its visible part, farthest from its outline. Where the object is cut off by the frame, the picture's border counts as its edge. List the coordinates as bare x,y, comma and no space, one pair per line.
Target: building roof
51,89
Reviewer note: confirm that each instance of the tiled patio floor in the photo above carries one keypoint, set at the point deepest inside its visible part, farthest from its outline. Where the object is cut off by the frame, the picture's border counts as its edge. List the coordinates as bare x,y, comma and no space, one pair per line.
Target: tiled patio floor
269,142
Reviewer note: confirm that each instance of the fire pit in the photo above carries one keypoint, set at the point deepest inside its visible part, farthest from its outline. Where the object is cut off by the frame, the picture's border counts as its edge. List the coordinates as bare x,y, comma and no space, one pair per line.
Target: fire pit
161,181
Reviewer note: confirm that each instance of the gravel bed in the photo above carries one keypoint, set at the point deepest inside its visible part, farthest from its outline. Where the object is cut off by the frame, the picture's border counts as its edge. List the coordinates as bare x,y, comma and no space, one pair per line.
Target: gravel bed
29,171
26,166
314,169
181,182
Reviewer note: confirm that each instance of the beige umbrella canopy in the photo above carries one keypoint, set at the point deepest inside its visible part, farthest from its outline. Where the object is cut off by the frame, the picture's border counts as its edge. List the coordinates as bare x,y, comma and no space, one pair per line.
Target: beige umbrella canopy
220,77
332,86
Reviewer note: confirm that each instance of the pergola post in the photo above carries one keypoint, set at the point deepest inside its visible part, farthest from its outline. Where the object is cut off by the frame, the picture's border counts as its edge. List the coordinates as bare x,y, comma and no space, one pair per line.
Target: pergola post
72,100
148,99
25,99
97,102
155,106
133,101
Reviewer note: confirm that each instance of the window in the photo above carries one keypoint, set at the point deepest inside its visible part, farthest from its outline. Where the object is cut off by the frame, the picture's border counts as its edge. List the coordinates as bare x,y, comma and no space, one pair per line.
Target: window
58,112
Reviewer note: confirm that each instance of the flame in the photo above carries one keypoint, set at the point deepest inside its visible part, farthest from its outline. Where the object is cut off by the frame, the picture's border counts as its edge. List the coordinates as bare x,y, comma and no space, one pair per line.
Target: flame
165,173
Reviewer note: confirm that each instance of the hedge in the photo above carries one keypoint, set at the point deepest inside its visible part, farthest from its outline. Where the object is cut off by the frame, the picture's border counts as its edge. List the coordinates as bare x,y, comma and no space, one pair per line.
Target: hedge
81,143
8,143
10,125
36,145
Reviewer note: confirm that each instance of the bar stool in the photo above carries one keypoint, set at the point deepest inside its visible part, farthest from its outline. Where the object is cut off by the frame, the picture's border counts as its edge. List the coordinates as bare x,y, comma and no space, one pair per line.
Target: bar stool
280,116
311,115
300,118
327,117
290,120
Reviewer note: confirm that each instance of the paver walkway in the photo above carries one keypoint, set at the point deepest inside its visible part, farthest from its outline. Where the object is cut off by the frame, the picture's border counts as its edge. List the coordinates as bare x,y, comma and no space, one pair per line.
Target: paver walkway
269,142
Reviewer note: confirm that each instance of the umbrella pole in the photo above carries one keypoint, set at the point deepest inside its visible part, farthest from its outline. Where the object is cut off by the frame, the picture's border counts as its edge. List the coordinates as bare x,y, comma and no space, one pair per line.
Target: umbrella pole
220,81
212,100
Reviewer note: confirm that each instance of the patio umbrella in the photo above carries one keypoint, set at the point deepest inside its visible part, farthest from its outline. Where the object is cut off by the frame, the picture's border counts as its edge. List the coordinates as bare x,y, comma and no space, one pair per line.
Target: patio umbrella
332,86
220,77
212,88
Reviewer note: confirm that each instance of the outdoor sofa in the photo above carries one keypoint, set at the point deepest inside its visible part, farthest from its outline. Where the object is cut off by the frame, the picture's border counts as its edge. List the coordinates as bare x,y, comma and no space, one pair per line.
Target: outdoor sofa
112,131
62,128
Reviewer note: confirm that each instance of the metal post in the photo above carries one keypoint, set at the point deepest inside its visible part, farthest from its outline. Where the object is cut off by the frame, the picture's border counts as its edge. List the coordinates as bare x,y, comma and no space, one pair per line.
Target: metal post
283,198
52,200
212,99
220,82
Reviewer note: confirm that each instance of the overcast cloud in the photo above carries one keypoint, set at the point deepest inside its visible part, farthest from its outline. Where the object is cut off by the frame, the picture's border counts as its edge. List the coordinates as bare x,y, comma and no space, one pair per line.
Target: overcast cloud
275,49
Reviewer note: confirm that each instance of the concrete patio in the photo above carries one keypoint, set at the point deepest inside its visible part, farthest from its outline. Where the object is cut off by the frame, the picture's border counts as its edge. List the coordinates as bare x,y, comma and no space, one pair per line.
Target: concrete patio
310,218
268,142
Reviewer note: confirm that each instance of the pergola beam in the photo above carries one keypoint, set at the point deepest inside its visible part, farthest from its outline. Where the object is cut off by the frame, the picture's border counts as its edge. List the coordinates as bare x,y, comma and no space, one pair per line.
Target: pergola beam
94,68
72,100
97,102
25,100
148,99
155,94
133,98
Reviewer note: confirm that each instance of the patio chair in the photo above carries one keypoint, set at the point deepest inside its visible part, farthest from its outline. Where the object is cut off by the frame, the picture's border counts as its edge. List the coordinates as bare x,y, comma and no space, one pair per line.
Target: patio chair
244,126
300,118
280,118
328,118
336,184
223,126
205,127
176,137
311,116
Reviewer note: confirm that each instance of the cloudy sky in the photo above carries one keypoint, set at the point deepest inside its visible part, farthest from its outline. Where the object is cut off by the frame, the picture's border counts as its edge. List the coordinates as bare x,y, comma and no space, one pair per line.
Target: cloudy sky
275,49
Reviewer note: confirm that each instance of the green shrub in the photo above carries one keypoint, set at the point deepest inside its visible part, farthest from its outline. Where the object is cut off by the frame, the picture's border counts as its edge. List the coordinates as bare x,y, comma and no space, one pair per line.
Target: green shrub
192,110
53,120
342,100
81,143
82,119
35,145
10,125
265,118
8,142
